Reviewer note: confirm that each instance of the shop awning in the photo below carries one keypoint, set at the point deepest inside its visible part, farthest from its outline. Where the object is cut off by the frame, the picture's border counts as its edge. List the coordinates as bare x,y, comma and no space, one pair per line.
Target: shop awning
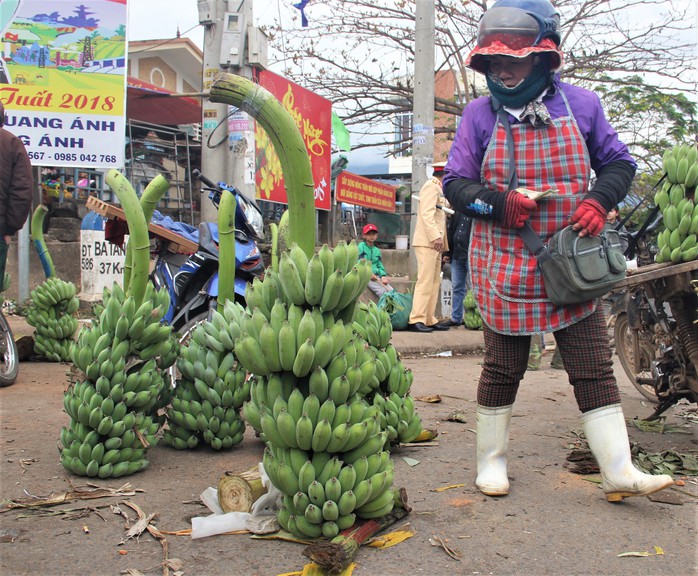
146,102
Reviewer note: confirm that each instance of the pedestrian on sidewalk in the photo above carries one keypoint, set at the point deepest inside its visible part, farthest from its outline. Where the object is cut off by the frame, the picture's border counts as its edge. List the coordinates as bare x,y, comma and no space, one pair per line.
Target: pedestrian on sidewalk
16,188
458,235
378,284
544,135
429,242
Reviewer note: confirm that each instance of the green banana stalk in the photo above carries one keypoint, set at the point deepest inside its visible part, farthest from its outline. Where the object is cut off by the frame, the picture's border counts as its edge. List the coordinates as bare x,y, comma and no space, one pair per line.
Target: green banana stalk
288,143
226,248
149,200
138,233
37,232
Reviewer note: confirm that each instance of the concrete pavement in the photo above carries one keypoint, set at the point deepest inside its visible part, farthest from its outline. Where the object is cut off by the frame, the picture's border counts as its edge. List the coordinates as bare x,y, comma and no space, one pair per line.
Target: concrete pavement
458,340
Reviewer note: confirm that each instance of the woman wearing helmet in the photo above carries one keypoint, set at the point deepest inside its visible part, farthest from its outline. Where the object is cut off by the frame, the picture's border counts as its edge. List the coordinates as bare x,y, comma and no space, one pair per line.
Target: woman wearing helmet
538,133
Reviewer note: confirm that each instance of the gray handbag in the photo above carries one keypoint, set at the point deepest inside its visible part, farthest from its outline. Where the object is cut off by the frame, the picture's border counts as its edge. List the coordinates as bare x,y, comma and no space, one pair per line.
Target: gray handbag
577,269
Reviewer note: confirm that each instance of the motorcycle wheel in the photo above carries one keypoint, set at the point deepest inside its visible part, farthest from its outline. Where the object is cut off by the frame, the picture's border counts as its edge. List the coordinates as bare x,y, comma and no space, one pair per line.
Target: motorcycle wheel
185,335
9,364
624,348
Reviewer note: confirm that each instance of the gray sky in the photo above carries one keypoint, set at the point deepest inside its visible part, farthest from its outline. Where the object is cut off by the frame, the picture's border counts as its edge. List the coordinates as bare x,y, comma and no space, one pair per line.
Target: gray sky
156,19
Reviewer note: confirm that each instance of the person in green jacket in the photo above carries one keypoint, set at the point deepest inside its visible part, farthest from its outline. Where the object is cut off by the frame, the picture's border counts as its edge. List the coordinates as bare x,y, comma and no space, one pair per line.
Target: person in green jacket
368,249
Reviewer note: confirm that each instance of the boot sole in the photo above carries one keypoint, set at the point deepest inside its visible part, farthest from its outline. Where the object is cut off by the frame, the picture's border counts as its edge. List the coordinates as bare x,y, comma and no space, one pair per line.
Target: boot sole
492,492
619,496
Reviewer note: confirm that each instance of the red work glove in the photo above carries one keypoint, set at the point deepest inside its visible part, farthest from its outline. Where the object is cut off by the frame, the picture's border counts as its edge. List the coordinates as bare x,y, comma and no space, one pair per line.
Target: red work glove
589,218
517,209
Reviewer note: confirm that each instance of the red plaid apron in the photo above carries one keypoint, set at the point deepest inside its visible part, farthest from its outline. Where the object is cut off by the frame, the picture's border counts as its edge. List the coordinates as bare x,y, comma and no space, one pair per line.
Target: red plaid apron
507,283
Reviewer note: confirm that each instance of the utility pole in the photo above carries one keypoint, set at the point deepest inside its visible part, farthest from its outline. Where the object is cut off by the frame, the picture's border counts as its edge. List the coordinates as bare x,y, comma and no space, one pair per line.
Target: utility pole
423,112
231,44
214,128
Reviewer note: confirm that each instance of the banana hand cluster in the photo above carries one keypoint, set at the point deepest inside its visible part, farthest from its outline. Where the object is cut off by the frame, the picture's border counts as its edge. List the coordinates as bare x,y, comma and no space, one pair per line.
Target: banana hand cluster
373,325
332,280
676,200
398,417
211,391
324,493
389,389
109,431
114,411
52,314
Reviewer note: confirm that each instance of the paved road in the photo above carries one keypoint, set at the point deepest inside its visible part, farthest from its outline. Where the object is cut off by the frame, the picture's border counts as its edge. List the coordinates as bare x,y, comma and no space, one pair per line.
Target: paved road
554,522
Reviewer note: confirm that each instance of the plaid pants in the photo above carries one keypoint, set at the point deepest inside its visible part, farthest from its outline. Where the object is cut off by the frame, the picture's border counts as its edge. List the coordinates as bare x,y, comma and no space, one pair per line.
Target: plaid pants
586,354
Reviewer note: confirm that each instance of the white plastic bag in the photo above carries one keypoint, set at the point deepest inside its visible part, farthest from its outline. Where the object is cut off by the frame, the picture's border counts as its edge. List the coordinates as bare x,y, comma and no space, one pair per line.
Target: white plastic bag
202,526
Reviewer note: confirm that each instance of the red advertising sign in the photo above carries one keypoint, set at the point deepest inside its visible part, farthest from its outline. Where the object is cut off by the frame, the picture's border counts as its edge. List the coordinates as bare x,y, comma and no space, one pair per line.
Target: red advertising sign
355,189
313,116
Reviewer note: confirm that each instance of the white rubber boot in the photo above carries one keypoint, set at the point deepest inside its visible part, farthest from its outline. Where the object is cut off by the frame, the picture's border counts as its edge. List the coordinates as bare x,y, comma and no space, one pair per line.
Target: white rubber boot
607,436
492,445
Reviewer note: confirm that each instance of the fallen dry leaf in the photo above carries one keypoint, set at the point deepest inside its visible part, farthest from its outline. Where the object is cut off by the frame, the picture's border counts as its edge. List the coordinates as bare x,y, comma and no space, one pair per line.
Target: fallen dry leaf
450,487
312,569
77,494
282,535
24,462
432,399
410,461
390,539
441,543
659,551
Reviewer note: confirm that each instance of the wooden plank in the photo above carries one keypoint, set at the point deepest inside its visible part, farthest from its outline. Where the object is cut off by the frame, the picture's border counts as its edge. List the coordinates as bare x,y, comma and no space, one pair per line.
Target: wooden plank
177,243
654,272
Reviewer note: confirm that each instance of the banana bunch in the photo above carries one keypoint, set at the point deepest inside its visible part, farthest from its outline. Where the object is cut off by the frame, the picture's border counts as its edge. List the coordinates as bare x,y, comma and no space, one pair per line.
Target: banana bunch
213,387
114,411
306,400
52,314
678,242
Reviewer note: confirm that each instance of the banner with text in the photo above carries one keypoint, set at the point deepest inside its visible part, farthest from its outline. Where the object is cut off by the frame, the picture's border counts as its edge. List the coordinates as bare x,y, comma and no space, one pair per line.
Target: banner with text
355,189
63,79
313,116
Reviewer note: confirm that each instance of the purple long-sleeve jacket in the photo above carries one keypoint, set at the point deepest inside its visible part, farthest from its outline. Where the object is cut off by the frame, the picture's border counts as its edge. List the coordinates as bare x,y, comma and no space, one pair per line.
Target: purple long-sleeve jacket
604,146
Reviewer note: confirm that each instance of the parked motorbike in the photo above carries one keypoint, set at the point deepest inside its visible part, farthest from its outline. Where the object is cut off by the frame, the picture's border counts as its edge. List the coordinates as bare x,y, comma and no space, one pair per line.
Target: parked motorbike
9,358
192,281
656,329
9,361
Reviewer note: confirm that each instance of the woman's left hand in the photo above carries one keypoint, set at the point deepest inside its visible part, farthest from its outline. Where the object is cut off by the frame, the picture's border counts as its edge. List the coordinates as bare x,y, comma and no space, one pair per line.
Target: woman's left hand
589,218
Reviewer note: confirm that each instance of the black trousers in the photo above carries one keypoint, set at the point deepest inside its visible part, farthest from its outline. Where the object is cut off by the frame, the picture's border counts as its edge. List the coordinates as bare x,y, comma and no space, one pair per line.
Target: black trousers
586,353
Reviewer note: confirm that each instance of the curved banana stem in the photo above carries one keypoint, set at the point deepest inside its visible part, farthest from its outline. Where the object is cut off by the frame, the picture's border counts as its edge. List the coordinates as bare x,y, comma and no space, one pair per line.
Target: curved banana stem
226,249
37,232
149,200
288,143
137,231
